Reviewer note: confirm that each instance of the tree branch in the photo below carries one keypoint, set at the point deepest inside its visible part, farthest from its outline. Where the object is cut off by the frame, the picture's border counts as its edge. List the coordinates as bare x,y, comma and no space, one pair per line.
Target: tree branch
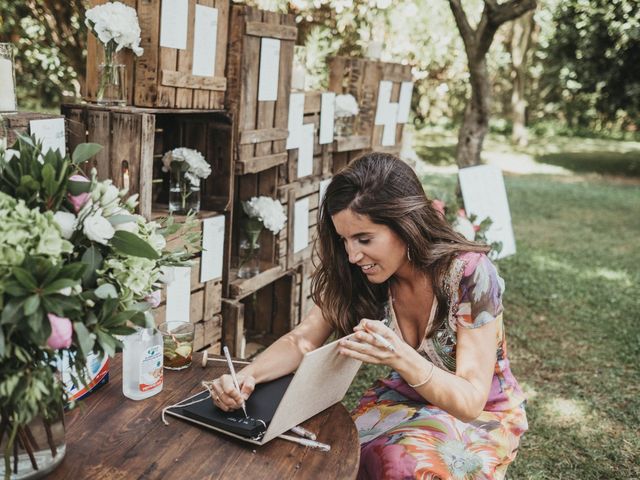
505,12
465,29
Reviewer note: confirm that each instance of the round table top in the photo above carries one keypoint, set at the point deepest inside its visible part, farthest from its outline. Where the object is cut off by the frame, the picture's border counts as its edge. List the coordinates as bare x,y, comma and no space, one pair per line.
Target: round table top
113,437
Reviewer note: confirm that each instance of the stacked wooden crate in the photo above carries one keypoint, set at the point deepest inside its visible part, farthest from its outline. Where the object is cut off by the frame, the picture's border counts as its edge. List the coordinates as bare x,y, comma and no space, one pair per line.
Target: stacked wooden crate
260,305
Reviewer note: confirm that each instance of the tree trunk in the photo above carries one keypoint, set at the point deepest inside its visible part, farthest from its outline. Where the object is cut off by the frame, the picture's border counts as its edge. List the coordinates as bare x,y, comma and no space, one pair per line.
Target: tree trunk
475,124
519,45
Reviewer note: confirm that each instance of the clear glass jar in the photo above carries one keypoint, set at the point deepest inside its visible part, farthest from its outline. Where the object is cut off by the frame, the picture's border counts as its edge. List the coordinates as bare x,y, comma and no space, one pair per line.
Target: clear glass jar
7,79
184,196
111,80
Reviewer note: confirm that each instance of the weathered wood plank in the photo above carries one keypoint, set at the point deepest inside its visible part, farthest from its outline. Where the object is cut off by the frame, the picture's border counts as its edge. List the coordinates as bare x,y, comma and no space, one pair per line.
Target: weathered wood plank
269,29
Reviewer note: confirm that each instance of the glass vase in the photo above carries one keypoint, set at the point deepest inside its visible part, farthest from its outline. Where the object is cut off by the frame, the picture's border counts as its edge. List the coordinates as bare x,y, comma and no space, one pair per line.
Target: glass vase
344,126
7,79
38,448
184,196
111,80
249,249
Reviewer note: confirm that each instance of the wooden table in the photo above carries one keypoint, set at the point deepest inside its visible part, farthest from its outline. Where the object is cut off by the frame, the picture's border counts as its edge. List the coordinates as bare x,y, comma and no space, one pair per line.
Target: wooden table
110,437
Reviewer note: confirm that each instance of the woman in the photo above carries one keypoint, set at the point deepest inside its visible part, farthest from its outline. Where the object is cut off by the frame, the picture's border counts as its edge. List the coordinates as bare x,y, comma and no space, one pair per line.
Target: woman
450,409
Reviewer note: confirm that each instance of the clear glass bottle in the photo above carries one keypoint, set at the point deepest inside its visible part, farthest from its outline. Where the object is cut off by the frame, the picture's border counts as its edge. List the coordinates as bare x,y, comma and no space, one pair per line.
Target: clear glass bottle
142,364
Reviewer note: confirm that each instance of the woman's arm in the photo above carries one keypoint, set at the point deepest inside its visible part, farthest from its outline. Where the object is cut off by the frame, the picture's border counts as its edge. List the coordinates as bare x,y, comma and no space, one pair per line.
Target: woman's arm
463,394
279,359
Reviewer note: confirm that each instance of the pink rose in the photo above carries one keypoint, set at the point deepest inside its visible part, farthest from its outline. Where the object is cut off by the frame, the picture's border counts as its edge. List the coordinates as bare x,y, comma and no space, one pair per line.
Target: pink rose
438,205
61,332
79,200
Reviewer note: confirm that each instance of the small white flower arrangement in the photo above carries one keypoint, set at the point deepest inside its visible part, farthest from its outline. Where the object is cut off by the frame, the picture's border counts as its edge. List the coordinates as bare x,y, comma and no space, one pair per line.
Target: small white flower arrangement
191,162
267,211
345,106
116,26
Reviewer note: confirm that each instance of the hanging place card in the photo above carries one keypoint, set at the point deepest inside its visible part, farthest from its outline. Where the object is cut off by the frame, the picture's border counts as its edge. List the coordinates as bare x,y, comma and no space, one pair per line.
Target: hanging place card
212,248
301,225
327,109
406,90
50,131
389,130
204,41
179,294
296,117
384,100
174,23
305,152
269,68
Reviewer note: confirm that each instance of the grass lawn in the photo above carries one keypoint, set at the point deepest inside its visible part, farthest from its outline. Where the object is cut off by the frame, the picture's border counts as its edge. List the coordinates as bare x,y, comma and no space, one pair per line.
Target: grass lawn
572,319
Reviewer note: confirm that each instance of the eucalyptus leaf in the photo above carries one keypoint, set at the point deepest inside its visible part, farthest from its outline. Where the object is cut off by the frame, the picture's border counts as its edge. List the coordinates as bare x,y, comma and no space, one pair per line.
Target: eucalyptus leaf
25,278
84,152
58,285
93,259
132,245
84,338
31,304
10,312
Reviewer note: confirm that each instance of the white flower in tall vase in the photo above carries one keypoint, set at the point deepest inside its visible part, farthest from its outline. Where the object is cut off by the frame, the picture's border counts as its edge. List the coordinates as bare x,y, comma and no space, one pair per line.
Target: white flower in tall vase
116,26
188,167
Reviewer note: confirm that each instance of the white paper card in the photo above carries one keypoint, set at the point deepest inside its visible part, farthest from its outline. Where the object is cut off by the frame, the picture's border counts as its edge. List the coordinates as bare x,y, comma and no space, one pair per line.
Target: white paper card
327,108
485,196
301,225
212,248
269,68
174,23
50,132
384,99
296,117
323,188
389,130
406,89
179,294
204,41
305,152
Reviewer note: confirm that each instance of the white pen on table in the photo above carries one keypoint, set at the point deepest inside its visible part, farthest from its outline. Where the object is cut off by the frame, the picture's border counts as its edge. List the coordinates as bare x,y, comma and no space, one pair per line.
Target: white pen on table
233,376
306,442
303,432
385,343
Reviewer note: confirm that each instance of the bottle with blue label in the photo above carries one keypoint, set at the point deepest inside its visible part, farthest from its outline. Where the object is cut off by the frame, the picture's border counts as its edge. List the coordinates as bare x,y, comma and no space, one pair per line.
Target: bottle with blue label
142,364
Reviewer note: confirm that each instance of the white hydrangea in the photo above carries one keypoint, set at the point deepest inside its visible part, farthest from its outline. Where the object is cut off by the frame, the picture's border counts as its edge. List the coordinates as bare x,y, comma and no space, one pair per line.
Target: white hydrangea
345,106
269,211
115,22
198,166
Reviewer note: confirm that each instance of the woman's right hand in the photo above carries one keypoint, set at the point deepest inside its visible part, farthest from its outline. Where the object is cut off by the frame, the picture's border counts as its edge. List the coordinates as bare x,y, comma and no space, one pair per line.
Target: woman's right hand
225,395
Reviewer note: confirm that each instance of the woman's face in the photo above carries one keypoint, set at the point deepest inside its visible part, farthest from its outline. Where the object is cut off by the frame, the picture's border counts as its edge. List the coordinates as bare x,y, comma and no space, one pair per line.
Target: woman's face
376,249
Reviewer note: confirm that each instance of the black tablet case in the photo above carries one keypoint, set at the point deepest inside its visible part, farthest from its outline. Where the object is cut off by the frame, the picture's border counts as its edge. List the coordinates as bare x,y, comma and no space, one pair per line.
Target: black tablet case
261,405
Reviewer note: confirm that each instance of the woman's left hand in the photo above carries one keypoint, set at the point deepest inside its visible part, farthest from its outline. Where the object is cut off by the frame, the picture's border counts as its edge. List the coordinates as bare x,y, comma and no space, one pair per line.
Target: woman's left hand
363,344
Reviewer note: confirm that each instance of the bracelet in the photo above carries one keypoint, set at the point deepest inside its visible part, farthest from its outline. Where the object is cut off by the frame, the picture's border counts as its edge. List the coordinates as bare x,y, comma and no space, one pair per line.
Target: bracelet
426,380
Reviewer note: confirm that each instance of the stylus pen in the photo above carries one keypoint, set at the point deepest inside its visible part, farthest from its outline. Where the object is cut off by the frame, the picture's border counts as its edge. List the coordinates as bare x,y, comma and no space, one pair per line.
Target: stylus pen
233,376
306,442
385,343
303,432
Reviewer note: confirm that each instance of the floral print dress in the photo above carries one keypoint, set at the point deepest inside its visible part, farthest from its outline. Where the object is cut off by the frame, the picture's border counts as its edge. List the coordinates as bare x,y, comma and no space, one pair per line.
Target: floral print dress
404,437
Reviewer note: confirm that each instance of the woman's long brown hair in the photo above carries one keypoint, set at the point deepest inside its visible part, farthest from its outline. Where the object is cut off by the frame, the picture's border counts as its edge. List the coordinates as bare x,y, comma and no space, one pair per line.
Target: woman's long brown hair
387,190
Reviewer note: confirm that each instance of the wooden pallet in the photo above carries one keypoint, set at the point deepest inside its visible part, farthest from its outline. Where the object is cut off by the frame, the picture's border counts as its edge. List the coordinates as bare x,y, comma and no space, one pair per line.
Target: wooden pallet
260,126
162,77
18,123
134,140
361,78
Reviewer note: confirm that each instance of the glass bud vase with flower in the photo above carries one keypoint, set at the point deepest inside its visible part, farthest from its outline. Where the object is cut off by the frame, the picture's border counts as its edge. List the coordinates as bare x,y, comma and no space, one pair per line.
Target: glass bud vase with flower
116,26
261,212
187,168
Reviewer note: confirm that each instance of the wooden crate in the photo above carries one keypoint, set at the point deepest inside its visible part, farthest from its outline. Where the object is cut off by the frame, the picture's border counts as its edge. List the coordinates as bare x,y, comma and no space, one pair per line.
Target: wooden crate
18,123
361,78
162,77
261,317
134,140
306,189
260,126
322,154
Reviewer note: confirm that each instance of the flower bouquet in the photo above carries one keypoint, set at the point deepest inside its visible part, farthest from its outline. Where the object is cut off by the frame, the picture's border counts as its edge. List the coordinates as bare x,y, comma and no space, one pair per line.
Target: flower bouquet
77,269
187,167
261,212
346,108
116,26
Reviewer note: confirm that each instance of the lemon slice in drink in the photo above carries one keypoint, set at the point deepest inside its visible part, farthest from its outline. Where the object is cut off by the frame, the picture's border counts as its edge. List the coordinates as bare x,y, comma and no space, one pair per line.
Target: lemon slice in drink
184,350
